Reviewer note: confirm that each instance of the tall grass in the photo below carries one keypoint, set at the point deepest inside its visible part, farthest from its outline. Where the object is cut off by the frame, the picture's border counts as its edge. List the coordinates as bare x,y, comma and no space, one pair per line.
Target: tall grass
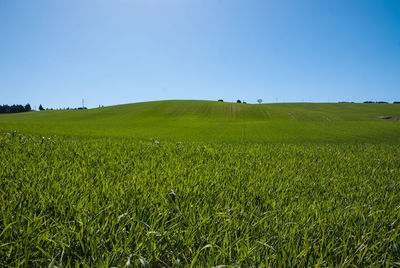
121,202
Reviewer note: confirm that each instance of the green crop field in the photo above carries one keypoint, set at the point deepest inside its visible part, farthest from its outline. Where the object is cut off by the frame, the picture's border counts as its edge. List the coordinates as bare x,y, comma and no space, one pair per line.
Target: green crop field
206,121
201,184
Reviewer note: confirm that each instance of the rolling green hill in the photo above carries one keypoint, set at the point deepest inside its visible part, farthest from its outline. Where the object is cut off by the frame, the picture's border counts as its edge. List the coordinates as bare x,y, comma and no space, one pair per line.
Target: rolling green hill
210,121
303,185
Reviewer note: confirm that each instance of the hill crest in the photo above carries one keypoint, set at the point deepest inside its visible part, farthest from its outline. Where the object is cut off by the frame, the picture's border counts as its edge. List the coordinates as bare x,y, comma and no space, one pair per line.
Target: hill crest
219,121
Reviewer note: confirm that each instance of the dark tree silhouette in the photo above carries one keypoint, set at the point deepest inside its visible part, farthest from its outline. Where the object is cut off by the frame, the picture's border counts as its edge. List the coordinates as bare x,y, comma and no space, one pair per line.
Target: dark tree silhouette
4,109
41,108
15,108
28,107
238,101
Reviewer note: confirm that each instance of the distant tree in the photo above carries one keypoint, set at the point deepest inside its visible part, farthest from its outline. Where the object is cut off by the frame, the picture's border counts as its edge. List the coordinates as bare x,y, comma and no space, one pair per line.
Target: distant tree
396,102
259,101
5,108
221,100
238,101
13,109
41,108
244,102
17,108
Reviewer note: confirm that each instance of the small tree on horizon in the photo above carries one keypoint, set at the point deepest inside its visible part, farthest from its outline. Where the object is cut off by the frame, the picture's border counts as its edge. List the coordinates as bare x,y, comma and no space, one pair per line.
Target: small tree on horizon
238,101
259,101
28,108
41,108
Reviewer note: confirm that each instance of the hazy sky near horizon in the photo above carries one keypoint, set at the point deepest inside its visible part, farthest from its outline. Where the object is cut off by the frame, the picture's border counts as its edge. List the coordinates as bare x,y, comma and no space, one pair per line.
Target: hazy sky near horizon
120,51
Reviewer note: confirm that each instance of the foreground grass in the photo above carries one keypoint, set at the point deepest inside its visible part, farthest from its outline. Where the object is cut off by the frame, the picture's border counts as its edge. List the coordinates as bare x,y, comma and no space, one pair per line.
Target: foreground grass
117,202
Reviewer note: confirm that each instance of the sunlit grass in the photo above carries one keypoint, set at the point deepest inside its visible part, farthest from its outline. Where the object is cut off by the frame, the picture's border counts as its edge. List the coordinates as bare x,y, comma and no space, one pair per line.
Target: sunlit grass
112,201
207,121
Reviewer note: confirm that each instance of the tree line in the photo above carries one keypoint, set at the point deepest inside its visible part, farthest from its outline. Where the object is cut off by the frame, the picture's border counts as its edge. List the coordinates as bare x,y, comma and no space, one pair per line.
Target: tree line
18,108
15,108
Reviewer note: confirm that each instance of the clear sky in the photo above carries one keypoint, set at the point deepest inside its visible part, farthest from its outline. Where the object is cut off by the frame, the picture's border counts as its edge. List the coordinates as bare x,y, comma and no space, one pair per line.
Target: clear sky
56,52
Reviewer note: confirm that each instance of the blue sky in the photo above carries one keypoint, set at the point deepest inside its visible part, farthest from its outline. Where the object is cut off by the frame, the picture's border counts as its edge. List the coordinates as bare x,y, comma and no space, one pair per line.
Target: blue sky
122,51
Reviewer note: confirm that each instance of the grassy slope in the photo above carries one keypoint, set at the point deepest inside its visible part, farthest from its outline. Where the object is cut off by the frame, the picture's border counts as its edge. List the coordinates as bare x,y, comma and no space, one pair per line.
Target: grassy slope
213,121
102,202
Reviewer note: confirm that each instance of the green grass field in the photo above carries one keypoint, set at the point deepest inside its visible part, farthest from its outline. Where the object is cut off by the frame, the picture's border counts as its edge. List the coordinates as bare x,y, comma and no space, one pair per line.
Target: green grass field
201,184
207,121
